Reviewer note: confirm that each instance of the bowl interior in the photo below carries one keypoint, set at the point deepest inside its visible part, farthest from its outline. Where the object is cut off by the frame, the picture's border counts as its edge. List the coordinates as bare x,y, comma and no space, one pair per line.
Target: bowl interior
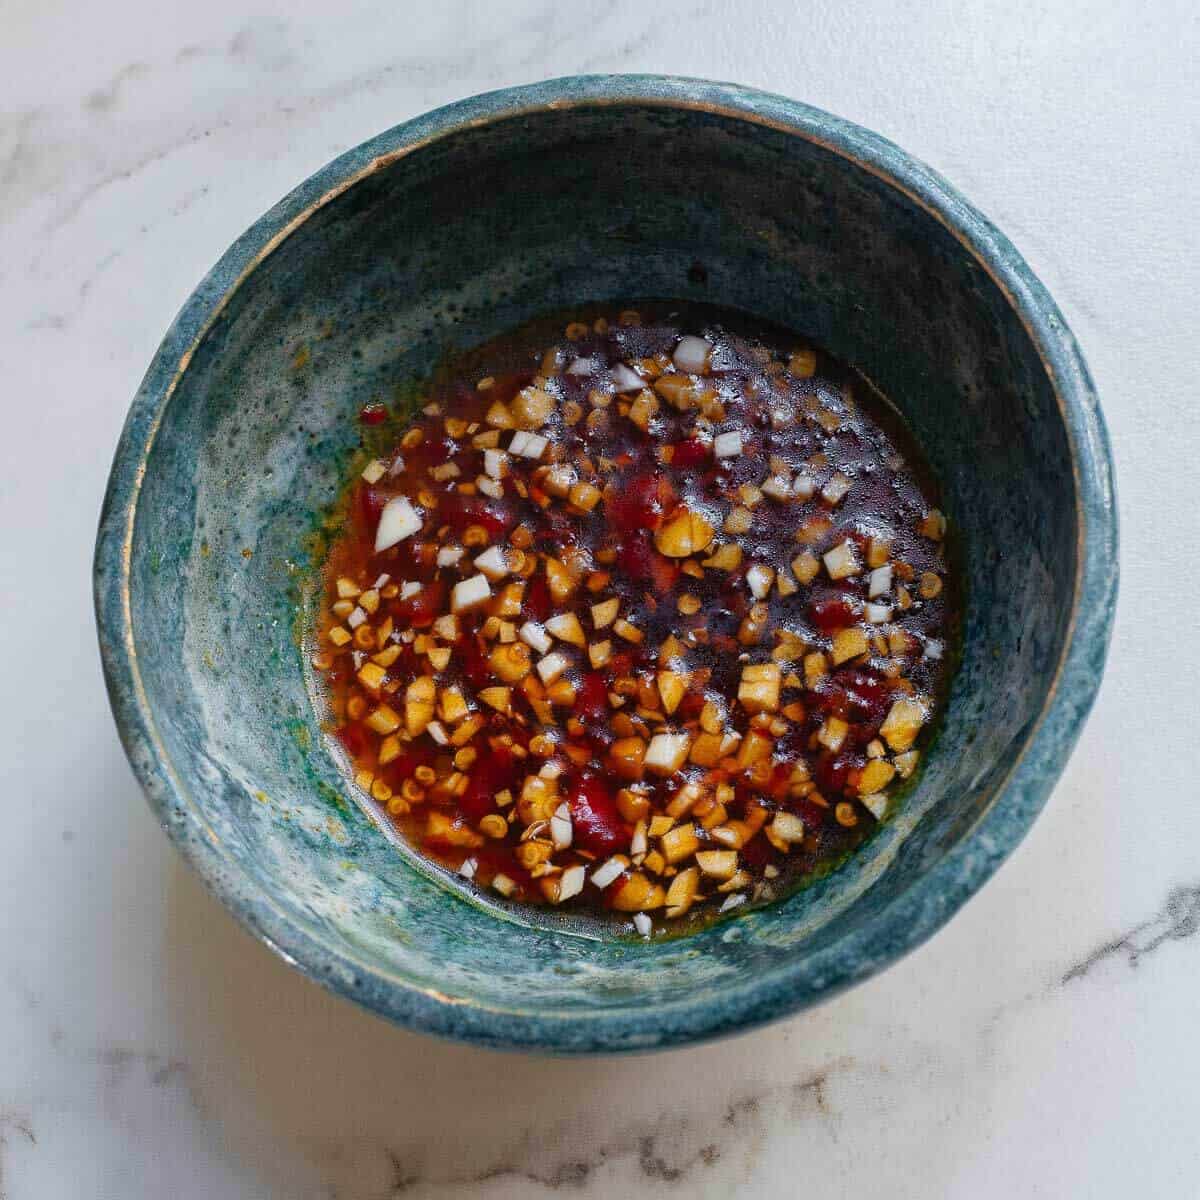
444,246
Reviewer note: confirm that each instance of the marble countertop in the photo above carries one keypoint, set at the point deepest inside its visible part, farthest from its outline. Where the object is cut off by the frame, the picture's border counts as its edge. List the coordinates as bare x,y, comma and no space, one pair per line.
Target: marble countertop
1044,1044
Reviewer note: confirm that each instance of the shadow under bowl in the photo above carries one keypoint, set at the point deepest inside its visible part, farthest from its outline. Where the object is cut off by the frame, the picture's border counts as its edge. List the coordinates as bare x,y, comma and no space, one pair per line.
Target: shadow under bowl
442,233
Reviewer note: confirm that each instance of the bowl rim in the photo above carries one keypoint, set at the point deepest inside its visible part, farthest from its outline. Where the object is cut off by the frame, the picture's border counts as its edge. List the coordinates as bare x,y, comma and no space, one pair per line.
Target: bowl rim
887,934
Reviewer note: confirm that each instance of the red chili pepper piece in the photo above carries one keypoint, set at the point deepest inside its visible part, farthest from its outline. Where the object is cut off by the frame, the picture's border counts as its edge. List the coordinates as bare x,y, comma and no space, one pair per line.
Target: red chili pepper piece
828,615
459,511
591,697
537,599
640,501
597,824
370,505
689,454
473,661
832,771
425,606
643,564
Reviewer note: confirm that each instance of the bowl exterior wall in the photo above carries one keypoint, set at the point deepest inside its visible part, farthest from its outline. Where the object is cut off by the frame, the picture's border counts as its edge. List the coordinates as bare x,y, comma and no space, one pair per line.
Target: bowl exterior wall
442,233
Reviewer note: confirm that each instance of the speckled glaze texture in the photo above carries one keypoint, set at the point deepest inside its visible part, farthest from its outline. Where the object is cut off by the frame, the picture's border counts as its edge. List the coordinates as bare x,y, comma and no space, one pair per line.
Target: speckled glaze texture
441,233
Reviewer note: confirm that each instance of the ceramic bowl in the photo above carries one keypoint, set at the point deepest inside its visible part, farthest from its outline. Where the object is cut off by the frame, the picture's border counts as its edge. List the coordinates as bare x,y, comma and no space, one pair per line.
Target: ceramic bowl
444,232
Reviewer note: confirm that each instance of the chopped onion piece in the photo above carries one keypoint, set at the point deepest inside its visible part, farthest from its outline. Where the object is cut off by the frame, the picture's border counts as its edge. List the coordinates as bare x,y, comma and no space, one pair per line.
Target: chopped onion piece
691,354
878,614
759,579
527,445
732,902
374,471
468,868
841,562
504,885
448,556
727,445
881,581
356,618
566,627
399,520
641,923
492,563
551,770
493,463
408,589
788,827
604,875
933,648
582,366
835,489
382,581
490,487
626,379
570,882
638,843
667,752
468,593
877,804
805,486
778,487
533,635
437,731
552,666
560,827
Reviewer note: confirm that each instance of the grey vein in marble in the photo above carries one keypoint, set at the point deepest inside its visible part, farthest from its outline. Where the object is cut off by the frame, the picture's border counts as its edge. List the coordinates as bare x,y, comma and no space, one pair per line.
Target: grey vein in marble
675,1150
1178,920
12,1124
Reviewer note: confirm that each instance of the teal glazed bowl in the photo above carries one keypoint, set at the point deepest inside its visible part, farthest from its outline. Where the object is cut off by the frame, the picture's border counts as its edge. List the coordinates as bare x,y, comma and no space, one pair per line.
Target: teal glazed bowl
438,235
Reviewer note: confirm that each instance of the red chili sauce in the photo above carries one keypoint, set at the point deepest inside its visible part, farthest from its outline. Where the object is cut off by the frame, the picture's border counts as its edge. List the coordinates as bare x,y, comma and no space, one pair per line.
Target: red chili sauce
646,618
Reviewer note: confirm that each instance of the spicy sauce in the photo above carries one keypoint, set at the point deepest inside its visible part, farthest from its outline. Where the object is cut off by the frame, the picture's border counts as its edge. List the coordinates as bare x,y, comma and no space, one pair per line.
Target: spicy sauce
649,621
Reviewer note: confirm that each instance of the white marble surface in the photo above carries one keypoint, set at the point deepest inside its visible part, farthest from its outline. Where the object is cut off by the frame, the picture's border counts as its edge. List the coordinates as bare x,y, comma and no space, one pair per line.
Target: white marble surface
1043,1045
